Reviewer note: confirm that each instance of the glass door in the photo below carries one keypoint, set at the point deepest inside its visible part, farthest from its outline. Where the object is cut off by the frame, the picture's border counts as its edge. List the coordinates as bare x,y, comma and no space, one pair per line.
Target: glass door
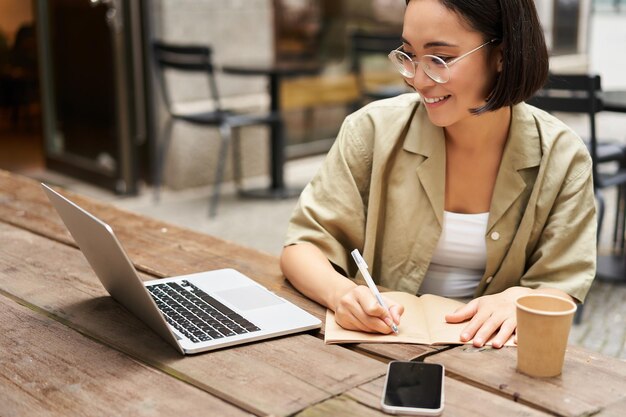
92,95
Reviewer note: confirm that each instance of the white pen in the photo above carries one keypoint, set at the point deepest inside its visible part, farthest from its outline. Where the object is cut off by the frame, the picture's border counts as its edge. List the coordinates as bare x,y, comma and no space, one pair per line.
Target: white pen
360,263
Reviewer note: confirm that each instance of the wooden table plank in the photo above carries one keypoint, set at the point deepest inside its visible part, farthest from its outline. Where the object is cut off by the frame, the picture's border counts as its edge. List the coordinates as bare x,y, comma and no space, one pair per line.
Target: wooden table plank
343,406
49,369
156,247
396,351
589,383
280,376
617,409
460,400
162,249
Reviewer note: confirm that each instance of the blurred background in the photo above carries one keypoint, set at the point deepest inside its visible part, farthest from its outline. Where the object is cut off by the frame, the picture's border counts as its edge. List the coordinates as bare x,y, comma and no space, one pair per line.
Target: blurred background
79,95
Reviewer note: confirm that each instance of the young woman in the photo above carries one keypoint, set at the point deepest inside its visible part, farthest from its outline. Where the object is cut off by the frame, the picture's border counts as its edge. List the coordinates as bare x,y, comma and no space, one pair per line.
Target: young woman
461,190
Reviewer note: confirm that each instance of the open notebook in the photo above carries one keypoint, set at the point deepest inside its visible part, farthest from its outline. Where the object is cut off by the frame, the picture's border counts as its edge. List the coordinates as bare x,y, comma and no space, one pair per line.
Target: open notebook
423,322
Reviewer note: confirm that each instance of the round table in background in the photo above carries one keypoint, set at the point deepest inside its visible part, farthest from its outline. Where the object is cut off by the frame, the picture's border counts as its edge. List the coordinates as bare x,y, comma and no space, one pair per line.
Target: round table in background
274,71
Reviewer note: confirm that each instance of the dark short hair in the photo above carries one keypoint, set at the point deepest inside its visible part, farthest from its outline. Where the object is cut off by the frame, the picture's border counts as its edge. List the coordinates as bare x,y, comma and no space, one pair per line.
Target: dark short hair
515,24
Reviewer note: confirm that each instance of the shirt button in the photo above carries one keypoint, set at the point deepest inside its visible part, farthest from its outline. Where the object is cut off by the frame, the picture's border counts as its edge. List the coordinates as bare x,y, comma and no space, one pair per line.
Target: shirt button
495,236
489,279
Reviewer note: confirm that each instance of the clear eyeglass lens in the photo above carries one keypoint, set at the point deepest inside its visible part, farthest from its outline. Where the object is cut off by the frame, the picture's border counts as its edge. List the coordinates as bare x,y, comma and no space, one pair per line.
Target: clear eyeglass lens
433,66
403,64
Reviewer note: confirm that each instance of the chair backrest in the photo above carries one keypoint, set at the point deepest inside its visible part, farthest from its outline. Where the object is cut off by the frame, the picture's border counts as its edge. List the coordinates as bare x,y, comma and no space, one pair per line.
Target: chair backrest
24,51
573,93
364,44
374,43
570,93
185,58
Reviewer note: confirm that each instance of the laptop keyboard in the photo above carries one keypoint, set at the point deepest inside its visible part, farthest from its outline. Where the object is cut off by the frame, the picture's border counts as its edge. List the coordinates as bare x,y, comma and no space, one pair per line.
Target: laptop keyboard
196,314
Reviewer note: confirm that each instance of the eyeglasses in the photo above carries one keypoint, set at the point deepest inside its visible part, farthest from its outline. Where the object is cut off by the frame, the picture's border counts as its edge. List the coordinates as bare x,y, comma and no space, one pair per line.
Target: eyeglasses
435,67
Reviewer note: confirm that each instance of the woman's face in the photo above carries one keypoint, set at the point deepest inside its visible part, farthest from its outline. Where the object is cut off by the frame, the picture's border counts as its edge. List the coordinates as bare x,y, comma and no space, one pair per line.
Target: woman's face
430,28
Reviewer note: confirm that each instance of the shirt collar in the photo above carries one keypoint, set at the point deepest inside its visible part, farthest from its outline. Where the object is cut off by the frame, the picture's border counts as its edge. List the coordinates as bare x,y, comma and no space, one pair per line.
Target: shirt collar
522,149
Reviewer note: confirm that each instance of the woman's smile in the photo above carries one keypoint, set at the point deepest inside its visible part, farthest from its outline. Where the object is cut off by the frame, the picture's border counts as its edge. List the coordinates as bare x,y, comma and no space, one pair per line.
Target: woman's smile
435,101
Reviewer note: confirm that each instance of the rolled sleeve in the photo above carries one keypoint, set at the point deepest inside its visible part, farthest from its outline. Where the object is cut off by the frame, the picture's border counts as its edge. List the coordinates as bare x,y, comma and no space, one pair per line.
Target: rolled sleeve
331,211
565,255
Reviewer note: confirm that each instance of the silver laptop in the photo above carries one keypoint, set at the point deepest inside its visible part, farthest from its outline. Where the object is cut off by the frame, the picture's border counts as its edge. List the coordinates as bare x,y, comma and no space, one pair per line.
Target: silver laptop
194,313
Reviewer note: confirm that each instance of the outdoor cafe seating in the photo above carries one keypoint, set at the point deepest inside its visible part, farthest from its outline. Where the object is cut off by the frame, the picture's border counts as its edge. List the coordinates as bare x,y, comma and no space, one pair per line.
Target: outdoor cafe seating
198,59
69,347
580,94
372,84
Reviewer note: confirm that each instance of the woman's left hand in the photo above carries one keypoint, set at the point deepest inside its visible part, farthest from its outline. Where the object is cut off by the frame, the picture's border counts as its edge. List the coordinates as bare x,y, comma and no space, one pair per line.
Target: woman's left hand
494,315
490,315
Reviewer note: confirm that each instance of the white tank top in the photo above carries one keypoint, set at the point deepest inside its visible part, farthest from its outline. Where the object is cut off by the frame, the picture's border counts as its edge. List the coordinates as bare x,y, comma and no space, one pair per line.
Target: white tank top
459,260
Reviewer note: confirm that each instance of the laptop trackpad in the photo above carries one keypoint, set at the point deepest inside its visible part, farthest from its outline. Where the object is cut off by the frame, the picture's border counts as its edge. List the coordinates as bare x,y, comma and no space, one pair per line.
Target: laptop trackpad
249,298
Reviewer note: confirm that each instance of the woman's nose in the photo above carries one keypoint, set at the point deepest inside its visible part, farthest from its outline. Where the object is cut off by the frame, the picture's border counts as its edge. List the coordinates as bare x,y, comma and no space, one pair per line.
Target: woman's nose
420,80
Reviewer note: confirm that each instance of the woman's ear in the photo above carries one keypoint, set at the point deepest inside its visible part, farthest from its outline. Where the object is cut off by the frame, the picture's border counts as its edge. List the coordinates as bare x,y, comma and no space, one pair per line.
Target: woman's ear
498,58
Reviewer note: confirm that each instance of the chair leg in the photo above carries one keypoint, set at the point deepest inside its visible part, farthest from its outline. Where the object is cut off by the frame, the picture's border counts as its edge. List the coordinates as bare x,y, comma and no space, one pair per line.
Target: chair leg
161,149
309,121
622,218
226,134
616,224
600,199
578,315
237,159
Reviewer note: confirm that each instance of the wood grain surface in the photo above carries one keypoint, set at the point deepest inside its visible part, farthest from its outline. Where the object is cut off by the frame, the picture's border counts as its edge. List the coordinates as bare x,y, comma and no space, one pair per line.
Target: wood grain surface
162,249
51,303
460,400
48,369
589,383
279,376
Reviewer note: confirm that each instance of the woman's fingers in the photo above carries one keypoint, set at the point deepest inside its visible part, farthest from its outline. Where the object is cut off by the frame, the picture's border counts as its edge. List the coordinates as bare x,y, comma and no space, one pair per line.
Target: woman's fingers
359,310
506,330
350,322
396,311
491,326
492,315
371,313
463,313
469,331
471,312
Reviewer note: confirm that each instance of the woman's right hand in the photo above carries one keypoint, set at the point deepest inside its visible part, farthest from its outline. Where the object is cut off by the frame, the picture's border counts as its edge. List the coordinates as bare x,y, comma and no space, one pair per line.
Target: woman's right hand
355,307
358,309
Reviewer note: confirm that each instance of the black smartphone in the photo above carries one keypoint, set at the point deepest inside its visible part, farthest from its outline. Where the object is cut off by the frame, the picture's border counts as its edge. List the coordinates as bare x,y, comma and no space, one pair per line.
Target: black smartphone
413,388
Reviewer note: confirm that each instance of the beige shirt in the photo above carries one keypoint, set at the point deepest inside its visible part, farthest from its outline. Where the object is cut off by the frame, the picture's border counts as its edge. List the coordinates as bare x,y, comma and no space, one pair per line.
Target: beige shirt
381,190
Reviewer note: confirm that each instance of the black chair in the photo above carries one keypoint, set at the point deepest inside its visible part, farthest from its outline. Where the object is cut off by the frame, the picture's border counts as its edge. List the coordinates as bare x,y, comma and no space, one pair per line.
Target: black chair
198,59
576,93
366,45
21,76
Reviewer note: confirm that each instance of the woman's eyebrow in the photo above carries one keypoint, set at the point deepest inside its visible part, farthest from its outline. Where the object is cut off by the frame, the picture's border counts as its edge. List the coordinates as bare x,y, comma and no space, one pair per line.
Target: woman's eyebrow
433,44
439,43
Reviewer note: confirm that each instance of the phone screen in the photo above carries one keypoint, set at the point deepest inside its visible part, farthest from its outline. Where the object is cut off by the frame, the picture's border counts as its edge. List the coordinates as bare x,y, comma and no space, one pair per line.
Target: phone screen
414,385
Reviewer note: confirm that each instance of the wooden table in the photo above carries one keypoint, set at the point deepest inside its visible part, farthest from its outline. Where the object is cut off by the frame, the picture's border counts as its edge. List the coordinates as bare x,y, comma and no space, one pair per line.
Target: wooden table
66,348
